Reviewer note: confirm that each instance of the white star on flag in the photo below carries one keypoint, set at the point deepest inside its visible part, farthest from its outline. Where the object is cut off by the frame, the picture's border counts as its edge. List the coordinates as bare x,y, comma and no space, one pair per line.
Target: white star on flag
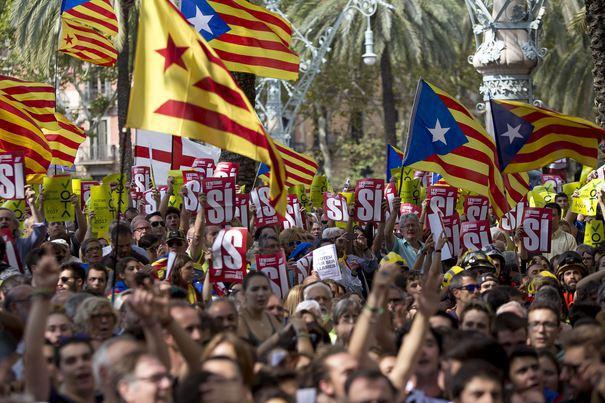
201,21
512,133
438,132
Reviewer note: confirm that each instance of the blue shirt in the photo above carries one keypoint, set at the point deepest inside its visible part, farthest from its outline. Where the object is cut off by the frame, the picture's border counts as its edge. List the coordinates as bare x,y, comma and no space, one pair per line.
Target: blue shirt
406,251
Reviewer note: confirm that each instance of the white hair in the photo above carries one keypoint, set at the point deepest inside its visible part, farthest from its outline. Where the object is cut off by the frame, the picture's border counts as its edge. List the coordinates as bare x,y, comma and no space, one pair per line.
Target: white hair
311,286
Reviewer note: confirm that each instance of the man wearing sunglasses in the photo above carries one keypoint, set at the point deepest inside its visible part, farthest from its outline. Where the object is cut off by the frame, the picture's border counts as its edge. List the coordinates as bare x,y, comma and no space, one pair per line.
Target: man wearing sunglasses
464,288
158,226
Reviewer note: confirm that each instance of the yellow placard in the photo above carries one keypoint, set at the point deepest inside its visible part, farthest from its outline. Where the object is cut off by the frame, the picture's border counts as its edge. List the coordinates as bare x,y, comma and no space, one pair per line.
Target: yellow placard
539,196
318,187
585,171
594,234
99,203
75,185
301,192
411,191
115,188
569,188
176,199
17,207
57,203
587,203
408,174
462,194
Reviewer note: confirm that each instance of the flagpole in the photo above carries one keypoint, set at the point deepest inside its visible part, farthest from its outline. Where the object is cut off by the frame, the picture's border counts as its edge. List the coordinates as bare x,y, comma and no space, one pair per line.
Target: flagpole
114,250
256,177
57,42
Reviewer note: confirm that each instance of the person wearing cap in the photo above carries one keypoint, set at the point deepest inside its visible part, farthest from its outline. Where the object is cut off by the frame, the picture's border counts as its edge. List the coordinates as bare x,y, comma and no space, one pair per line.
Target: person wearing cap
176,241
486,282
570,271
410,247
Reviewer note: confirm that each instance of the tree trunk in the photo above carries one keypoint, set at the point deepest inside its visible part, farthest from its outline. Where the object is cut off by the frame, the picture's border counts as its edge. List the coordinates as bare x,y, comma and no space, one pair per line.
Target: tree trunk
322,125
356,126
123,88
595,21
247,166
388,98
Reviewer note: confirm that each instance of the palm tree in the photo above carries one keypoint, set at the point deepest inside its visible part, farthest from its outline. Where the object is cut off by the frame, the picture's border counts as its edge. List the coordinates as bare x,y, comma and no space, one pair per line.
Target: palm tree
411,33
595,22
568,48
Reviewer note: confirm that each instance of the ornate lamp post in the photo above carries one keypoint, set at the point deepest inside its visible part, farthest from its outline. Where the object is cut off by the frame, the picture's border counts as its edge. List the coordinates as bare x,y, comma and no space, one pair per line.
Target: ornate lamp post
507,46
279,118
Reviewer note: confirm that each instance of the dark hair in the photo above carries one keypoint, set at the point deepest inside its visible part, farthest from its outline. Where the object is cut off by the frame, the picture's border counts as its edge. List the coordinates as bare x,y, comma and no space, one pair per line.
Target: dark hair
2,248
550,295
67,341
120,229
319,370
148,216
148,240
582,310
122,263
469,371
33,257
521,352
470,345
554,206
509,321
456,281
180,261
251,274
76,269
561,194
172,210
445,315
544,305
98,267
371,374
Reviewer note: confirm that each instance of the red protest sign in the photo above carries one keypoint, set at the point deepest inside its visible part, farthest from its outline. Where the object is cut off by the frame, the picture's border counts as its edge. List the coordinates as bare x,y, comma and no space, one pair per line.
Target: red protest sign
265,213
140,180
475,235
553,180
293,217
241,208
10,257
274,266
229,256
12,177
537,229
368,200
193,184
220,200
442,198
149,202
513,218
451,227
205,166
410,208
335,207
85,187
226,170
476,208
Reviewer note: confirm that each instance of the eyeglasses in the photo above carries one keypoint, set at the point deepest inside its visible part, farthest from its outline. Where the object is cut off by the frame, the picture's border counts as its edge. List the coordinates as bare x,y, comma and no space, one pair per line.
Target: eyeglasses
65,279
546,325
141,229
157,224
156,378
469,287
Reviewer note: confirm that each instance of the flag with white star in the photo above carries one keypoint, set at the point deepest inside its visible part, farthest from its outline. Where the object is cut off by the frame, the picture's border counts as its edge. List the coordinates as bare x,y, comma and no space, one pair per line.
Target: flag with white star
445,138
203,17
510,131
531,137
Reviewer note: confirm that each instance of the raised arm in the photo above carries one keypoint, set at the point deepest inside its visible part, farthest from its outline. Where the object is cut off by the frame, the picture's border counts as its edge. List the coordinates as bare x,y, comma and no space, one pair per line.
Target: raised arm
196,248
428,303
389,227
169,191
36,376
80,219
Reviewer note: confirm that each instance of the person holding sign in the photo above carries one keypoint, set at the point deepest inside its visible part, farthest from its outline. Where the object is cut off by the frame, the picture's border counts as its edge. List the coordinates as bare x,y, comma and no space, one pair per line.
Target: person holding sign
560,240
9,221
410,247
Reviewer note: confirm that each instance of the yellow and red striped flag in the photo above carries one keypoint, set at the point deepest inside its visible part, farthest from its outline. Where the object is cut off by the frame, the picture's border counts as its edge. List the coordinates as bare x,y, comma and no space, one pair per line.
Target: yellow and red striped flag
37,99
445,138
87,44
257,42
182,87
96,14
530,137
19,132
65,141
300,168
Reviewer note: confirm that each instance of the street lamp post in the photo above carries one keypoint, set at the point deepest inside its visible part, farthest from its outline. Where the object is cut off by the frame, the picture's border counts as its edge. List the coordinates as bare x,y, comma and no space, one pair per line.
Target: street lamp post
507,46
280,118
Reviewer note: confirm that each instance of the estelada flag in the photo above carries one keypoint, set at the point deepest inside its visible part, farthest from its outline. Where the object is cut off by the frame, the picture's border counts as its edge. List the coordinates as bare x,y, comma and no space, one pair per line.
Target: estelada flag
182,87
87,44
65,141
530,137
446,139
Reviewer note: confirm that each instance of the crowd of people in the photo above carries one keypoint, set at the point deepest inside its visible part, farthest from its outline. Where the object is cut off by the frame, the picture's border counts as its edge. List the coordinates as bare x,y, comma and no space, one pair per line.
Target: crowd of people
87,319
